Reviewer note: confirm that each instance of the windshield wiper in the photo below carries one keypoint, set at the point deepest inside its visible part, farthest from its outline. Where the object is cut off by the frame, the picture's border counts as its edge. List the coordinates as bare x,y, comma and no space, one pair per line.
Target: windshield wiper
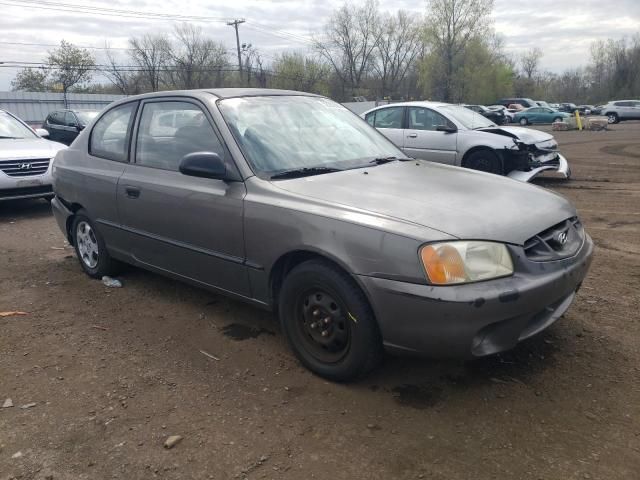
304,172
382,160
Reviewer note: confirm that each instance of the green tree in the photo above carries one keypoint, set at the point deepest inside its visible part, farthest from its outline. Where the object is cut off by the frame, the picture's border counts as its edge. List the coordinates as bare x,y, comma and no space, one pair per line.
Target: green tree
294,71
70,66
31,80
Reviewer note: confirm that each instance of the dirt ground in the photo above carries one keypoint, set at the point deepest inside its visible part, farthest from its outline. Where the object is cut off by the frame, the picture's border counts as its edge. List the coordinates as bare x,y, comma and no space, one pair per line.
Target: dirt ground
114,372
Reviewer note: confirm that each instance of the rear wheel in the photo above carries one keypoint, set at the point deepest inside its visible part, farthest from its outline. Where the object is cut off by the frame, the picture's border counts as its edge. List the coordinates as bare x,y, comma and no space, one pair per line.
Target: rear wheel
524,121
328,322
90,248
484,160
612,118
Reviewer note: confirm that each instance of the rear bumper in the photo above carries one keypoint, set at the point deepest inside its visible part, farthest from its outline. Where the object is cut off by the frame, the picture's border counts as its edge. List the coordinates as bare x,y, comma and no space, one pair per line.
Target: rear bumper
478,319
62,215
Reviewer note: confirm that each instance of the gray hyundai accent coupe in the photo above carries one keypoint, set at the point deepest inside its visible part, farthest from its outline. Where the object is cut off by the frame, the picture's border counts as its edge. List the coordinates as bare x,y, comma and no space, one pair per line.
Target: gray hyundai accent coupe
291,202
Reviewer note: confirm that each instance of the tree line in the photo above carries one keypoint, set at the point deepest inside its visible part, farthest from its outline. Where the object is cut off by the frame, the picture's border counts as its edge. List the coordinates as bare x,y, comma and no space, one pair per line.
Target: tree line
450,53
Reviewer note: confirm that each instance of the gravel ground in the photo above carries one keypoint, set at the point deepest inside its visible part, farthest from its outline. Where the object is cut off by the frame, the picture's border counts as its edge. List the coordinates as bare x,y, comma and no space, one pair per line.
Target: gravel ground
114,372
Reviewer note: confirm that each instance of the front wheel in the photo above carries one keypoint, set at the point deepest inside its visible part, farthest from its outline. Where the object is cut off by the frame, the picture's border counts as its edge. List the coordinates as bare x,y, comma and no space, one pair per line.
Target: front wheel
524,121
90,248
484,160
328,322
557,119
612,118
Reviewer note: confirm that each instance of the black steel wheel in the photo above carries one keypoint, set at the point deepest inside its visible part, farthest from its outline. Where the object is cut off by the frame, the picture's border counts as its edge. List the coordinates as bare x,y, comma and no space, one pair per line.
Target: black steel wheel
328,321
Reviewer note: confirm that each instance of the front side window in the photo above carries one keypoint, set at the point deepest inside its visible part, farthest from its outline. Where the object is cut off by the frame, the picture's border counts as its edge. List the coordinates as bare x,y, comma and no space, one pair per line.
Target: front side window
57,118
170,130
425,119
282,133
12,128
389,117
84,117
110,135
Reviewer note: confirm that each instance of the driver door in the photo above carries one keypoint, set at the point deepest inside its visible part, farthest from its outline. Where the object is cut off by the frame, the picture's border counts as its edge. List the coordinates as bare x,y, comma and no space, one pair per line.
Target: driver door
188,226
423,140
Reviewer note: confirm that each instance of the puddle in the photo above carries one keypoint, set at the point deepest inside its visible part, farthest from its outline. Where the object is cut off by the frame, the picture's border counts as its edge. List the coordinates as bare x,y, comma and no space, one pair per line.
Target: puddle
237,331
417,396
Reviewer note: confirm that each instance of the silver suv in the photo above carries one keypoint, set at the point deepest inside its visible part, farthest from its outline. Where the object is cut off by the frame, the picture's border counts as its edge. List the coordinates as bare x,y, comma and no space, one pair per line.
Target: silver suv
619,110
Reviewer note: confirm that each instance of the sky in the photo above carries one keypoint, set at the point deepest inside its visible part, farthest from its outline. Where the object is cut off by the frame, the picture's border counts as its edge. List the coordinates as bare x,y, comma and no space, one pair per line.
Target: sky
563,29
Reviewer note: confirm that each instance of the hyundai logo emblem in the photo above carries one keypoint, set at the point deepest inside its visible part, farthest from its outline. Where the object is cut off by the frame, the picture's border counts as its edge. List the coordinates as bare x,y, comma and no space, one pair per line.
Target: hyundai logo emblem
562,238
25,166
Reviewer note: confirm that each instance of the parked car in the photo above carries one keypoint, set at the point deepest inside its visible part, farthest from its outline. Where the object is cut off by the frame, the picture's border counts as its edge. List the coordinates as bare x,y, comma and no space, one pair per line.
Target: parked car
619,110
568,108
525,102
25,160
539,115
65,125
454,135
596,110
585,109
496,116
291,202
508,114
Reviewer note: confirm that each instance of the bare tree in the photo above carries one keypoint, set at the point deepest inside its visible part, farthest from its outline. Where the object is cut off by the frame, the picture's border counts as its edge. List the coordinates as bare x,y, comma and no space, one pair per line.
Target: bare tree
397,48
530,61
294,71
451,25
150,54
70,66
197,61
351,36
122,77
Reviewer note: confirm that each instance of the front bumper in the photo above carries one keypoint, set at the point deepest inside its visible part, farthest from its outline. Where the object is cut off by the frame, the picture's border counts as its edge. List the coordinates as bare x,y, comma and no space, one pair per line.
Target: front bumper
559,165
477,319
18,188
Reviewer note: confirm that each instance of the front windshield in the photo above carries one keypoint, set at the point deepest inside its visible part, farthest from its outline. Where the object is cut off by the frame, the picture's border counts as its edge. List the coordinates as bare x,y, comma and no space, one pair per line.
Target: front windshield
468,118
284,133
86,116
12,128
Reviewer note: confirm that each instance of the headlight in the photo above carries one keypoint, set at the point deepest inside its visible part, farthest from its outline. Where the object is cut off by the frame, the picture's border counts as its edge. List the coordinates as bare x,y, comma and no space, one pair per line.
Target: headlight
451,263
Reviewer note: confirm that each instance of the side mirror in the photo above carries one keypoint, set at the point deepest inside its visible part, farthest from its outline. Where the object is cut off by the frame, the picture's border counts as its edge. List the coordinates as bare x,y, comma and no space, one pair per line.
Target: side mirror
203,164
446,129
41,132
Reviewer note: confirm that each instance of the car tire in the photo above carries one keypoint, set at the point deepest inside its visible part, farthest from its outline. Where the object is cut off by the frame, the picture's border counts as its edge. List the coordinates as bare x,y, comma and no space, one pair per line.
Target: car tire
90,248
612,118
557,119
524,121
328,322
484,160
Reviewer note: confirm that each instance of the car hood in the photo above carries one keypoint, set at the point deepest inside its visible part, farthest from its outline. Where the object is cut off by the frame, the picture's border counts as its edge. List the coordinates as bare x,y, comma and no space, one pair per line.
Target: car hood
28,148
457,201
526,135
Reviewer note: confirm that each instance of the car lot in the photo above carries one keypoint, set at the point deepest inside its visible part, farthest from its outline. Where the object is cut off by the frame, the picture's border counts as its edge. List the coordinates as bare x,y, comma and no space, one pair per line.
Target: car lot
114,372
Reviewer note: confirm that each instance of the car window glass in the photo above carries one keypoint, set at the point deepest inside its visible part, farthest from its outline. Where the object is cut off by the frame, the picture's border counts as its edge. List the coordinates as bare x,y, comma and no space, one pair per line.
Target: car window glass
170,130
69,119
57,118
389,117
371,118
109,137
425,119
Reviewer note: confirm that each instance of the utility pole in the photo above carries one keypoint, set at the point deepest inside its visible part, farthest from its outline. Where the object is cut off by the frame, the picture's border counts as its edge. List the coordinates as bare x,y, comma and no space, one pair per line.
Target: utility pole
235,24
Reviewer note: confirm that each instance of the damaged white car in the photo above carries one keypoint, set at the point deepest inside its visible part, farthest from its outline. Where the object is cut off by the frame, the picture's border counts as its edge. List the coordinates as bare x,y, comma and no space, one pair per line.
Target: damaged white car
452,134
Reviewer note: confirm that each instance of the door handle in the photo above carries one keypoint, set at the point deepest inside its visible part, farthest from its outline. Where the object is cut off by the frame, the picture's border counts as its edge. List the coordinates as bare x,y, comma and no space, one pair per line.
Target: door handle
132,192
412,135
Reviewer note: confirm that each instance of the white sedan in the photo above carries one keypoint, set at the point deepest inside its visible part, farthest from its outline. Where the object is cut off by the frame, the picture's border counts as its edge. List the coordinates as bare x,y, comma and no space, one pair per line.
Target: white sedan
455,135
25,160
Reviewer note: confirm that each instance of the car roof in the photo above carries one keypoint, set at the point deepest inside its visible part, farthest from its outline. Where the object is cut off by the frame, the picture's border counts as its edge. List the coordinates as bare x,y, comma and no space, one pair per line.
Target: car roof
222,93
416,103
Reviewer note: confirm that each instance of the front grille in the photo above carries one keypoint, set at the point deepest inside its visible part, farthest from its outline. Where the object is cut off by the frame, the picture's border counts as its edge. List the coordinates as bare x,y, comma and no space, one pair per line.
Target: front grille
25,167
555,243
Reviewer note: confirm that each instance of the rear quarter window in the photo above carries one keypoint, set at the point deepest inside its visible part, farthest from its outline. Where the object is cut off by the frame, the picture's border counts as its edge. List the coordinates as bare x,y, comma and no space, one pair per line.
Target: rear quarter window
111,134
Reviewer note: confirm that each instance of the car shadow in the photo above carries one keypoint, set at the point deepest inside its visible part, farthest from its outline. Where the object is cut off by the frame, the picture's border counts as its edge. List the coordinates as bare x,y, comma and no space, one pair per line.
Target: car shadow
12,210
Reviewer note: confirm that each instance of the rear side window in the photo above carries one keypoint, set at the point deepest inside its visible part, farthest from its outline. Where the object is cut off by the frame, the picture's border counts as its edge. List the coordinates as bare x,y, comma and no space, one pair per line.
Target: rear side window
389,117
110,135
622,104
170,130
